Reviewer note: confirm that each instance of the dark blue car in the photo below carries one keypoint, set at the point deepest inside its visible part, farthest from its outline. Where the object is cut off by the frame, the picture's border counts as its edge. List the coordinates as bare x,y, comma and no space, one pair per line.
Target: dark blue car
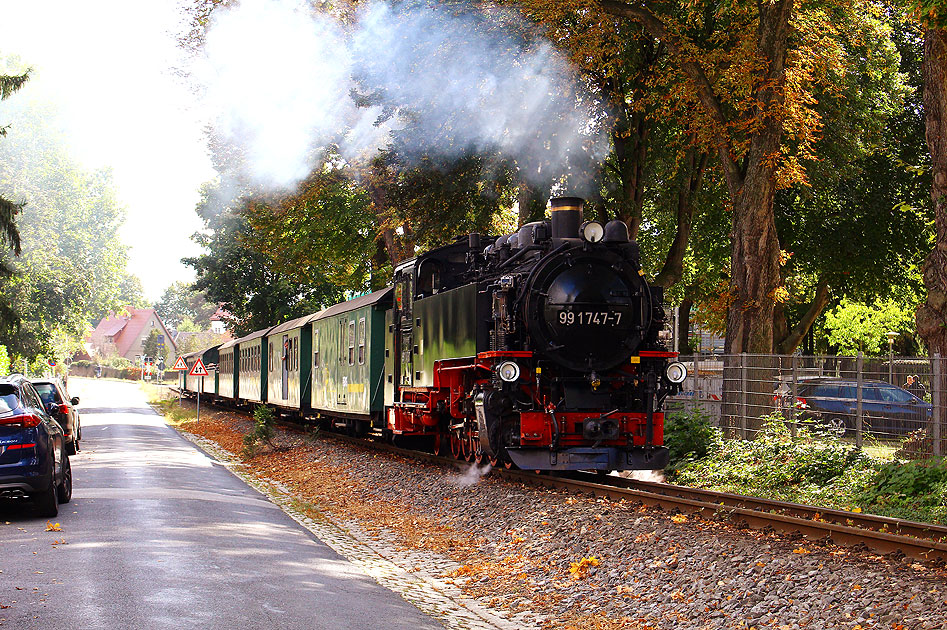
33,453
886,408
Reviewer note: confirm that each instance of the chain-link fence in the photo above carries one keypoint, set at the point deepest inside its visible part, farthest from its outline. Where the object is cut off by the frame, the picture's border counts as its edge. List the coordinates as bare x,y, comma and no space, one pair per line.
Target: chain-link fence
896,401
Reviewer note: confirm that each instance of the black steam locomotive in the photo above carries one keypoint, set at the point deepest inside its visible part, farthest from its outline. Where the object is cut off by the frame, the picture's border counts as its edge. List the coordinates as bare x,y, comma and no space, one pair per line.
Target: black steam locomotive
539,349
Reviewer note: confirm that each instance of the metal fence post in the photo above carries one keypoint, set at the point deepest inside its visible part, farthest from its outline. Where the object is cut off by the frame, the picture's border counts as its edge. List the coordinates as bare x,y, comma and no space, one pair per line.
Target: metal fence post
696,383
938,400
859,365
794,393
743,395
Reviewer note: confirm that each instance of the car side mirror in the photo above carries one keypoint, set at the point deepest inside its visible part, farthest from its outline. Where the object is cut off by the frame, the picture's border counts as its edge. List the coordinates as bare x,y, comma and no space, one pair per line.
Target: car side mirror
75,400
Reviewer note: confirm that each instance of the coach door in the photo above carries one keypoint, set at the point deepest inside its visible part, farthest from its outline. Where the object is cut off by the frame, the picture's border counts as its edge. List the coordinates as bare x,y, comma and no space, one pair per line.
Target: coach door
285,370
404,327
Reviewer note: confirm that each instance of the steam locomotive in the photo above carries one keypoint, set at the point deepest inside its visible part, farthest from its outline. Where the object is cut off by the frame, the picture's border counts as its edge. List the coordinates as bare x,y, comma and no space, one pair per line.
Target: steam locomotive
540,349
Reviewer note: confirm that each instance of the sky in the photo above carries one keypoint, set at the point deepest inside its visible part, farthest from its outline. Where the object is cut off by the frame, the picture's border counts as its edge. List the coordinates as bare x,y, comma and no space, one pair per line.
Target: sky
110,67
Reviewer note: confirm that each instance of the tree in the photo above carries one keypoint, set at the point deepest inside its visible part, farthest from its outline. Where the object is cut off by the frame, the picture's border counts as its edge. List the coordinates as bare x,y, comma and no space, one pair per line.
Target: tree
932,315
244,280
180,302
9,235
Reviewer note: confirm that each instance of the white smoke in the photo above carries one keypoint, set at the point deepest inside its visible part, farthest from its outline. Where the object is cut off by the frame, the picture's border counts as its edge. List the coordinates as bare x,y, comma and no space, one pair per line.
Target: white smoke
471,475
282,81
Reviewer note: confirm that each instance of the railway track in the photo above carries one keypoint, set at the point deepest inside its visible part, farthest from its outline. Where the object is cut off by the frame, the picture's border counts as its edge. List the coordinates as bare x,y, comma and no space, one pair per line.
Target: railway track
880,534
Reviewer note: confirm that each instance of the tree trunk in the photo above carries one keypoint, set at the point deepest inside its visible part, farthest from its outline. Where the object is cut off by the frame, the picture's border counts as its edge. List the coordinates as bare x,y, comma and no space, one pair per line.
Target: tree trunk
631,150
932,315
673,269
787,342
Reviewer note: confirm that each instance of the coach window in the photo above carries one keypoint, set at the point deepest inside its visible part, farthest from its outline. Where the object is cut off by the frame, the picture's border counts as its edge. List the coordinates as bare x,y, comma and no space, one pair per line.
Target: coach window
341,340
315,348
361,341
352,342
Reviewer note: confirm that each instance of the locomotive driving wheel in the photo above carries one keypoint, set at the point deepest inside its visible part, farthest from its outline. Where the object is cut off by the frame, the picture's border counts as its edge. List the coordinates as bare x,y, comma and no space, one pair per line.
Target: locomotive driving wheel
468,447
440,444
456,445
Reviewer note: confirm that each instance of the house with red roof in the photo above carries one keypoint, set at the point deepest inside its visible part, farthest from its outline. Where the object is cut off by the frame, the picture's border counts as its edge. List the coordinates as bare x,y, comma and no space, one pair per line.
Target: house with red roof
124,333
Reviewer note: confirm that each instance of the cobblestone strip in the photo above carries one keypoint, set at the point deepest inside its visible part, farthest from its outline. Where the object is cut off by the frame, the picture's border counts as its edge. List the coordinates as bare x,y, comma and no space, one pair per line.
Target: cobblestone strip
418,585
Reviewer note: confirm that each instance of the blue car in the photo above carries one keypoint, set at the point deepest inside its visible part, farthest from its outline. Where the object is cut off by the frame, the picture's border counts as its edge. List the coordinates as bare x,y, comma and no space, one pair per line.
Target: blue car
34,461
886,408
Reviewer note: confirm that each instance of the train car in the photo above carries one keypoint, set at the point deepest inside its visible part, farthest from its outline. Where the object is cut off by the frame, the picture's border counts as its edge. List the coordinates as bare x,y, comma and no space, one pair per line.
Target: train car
227,377
207,384
542,350
252,367
348,358
289,364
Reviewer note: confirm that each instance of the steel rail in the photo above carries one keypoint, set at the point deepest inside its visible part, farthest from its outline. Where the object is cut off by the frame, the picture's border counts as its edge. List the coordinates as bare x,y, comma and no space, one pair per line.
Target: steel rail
855,519
881,534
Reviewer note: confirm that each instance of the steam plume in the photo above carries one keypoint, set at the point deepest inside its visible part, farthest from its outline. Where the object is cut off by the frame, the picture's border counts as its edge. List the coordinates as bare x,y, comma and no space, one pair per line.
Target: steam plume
285,81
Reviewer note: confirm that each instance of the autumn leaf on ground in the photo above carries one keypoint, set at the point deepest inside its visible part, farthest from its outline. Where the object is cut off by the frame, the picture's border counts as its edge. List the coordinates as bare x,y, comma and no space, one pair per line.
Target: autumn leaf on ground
801,550
53,527
581,568
679,518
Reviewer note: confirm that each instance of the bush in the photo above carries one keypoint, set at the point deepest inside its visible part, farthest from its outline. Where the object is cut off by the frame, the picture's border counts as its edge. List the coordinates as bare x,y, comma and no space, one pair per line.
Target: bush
690,435
262,433
807,468
916,490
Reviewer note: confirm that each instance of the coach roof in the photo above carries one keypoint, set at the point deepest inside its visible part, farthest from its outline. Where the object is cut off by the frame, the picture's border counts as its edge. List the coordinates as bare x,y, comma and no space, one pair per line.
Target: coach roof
351,305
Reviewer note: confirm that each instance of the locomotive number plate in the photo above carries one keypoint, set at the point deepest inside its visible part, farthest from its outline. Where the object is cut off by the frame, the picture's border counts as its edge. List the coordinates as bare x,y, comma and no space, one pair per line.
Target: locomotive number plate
590,318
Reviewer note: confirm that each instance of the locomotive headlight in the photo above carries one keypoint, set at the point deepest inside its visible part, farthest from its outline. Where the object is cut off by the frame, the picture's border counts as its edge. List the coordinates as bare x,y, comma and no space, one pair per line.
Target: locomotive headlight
592,231
675,372
508,371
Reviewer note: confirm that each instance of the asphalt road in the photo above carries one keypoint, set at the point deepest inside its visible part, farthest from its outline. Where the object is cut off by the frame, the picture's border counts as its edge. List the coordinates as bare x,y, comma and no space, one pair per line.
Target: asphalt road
159,536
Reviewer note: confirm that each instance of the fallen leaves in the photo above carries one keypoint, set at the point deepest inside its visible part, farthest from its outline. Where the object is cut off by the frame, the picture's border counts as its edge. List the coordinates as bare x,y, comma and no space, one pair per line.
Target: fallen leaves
581,569
53,527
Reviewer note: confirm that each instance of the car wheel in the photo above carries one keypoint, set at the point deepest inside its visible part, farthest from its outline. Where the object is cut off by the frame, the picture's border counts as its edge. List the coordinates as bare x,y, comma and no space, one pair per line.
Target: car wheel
836,425
47,503
64,492
72,447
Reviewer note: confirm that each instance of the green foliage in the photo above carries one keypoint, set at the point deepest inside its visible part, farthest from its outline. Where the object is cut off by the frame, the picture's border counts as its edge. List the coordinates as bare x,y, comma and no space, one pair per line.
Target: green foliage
690,435
243,279
806,468
916,490
181,303
72,267
854,327
262,434
151,348
4,360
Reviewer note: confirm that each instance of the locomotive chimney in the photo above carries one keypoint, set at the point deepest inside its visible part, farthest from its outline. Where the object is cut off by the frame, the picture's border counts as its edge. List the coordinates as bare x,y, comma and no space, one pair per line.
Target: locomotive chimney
566,216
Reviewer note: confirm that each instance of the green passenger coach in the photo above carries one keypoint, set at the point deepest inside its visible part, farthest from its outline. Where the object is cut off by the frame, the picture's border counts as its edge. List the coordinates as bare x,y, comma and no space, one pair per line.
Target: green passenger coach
289,363
348,359
227,370
252,366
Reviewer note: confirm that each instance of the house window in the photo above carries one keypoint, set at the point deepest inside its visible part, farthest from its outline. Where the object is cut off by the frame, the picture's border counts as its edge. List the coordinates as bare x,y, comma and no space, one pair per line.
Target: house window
361,341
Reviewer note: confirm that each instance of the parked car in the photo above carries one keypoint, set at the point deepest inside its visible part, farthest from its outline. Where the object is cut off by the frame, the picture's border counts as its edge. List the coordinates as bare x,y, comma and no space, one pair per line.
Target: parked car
52,391
832,402
34,461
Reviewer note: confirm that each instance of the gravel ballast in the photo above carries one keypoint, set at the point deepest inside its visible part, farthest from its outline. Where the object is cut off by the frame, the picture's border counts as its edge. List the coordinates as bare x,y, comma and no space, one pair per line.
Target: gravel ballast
551,558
